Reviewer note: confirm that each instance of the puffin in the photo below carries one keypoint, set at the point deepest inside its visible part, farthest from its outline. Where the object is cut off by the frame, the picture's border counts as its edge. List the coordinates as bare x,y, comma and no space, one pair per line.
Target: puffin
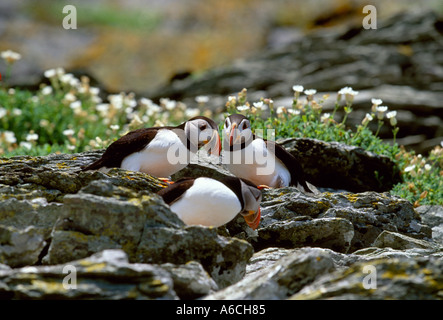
263,162
210,202
160,151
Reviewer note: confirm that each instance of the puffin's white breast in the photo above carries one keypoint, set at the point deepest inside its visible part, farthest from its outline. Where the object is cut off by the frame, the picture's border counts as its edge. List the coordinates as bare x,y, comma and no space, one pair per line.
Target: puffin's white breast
258,164
162,157
207,202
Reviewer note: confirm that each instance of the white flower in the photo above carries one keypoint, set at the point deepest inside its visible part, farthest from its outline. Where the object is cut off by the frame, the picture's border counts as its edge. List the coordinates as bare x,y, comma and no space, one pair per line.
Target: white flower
382,109
168,103
66,78
410,168
349,93
10,137
47,90
325,117
115,127
102,107
116,100
292,111
10,56
16,112
391,116
428,167
260,105
310,92
146,102
68,132
243,108
32,137
232,98
70,97
376,102
298,88
71,147
280,109
26,145
192,112
75,105
368,118
94,91
202,99
3,112
50,73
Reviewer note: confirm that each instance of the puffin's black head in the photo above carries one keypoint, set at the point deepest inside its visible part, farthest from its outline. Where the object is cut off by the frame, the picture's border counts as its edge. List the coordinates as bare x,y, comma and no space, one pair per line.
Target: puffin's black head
237,129
202,131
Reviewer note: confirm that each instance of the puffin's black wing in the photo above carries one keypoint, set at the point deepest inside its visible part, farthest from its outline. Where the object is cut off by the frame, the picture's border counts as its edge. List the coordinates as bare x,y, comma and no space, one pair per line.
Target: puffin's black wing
174,191
133,141
294,167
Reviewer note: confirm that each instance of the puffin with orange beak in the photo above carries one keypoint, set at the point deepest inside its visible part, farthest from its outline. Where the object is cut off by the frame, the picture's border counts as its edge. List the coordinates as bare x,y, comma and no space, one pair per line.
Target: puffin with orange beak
209,202
263,162
160,151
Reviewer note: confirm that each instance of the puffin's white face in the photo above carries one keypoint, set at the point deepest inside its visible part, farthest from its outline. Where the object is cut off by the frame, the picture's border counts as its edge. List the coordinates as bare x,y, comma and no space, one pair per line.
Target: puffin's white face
252,198
237,130
201,133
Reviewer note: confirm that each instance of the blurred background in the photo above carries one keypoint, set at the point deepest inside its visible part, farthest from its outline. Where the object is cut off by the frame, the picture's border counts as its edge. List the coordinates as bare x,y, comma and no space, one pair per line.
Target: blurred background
161,48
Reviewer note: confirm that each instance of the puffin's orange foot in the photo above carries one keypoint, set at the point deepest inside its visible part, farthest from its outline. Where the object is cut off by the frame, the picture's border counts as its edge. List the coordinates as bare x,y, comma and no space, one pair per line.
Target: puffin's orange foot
166,180
263,186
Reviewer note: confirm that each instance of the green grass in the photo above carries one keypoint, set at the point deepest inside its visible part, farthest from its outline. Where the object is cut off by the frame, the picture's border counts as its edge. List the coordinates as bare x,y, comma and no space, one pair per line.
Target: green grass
105,14
69,117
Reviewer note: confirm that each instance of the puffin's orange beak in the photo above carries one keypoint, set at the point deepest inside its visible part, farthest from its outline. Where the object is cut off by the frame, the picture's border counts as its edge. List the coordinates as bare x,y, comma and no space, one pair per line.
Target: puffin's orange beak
231,134
216,149
253,218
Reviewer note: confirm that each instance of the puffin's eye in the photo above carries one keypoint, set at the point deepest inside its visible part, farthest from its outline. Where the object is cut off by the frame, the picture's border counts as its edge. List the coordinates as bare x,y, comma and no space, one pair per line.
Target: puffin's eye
245,125
203,127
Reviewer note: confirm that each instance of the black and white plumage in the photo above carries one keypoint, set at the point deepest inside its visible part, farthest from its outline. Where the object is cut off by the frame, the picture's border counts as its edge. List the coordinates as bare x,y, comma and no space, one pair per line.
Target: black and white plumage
160,151
209,202
260,161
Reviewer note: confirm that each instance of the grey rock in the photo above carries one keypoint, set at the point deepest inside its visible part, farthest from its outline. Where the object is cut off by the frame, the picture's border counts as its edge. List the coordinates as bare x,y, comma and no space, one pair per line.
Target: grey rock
285,277
342,221
397,278
433,217
105,275
53,176
399,241
20,247
191,281
334,233
340,166
223,258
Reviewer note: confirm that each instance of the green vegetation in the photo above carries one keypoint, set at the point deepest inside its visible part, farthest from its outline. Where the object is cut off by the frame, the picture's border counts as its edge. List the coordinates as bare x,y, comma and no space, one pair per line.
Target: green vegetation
99,14
69,116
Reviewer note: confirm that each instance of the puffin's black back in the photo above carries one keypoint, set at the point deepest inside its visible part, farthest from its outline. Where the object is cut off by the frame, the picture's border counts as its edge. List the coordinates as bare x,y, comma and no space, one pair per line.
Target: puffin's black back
174,191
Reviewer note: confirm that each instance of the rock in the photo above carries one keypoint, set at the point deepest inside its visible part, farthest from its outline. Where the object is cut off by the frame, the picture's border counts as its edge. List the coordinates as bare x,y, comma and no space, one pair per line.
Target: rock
334,233
105,275
53,176
340,166
342,222
223,258
20,247
398,241
125,243
400,279
286,276
433,217
191,281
